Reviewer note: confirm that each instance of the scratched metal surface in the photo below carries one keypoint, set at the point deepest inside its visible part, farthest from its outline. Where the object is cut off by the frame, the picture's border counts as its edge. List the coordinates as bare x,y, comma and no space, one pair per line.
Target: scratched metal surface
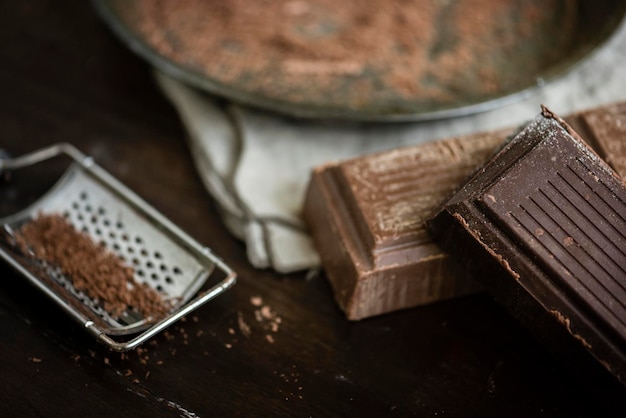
530,43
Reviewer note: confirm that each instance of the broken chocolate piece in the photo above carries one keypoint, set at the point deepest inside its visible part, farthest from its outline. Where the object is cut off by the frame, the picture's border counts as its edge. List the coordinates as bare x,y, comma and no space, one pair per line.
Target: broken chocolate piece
543,226
366,216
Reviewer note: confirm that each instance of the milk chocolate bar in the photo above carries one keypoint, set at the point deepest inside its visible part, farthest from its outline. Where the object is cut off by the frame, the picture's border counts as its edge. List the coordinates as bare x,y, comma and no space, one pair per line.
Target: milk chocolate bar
366,216
543,226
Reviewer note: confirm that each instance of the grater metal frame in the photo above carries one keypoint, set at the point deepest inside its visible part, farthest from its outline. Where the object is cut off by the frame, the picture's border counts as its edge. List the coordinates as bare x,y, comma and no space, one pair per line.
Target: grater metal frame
195,296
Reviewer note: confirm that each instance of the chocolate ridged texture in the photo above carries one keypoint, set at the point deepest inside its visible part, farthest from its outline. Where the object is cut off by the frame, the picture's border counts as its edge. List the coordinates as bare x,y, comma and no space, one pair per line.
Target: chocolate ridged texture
366,214
543,226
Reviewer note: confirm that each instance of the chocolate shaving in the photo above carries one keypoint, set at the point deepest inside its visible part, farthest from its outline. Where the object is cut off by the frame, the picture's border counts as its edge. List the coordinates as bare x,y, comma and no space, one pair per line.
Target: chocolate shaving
92,269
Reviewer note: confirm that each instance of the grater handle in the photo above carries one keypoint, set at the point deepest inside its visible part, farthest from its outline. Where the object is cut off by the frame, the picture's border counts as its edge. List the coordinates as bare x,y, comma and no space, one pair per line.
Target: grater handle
194,304
42,154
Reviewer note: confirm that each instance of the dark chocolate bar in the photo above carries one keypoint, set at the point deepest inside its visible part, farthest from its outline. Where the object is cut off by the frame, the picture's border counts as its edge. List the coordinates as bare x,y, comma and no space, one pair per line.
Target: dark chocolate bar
367,216
543,226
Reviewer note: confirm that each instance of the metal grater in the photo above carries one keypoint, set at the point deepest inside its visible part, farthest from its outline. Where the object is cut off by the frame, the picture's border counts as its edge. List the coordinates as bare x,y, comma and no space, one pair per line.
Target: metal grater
161,254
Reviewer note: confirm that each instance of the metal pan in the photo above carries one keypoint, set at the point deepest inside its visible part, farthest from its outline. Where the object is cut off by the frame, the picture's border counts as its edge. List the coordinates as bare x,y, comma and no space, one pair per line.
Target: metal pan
352,60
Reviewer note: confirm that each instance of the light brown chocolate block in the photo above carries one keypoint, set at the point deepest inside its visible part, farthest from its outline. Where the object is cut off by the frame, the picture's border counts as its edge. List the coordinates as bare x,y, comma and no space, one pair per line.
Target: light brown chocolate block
367,217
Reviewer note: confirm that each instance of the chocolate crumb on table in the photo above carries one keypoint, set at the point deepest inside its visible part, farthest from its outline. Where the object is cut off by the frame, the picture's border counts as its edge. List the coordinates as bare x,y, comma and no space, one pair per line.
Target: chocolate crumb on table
92,269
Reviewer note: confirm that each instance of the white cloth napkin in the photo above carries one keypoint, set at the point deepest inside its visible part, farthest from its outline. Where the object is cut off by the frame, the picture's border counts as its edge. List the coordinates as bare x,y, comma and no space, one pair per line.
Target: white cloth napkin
257,164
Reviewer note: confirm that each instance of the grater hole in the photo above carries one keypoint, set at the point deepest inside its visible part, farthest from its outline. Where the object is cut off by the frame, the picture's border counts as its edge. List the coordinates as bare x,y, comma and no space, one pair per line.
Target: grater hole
158,255
94,219
138,240
140,273
177,270
149,264
101,211
106,223
135,261
169,280
131,250
112,235
144,252
163,267
75,206
154,276
88,208
98,231
119,225
83,196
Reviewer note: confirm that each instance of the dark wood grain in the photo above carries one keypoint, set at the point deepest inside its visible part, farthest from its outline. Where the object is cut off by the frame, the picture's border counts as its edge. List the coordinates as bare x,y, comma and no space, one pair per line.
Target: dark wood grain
65,77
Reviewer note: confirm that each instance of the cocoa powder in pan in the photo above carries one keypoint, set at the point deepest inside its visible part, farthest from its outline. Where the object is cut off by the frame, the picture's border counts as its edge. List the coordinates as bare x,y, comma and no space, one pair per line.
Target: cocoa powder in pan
92,269
354,52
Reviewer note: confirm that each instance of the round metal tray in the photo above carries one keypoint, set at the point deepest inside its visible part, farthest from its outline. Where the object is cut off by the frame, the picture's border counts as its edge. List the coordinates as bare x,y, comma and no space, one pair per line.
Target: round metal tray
472,58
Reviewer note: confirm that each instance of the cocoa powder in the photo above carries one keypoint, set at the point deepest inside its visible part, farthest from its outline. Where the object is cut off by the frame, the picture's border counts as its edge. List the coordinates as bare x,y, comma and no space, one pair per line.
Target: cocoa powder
92,269
361,53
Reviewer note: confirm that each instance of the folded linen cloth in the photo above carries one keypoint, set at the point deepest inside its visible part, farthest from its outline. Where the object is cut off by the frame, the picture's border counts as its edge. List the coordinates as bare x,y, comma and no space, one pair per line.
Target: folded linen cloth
256,164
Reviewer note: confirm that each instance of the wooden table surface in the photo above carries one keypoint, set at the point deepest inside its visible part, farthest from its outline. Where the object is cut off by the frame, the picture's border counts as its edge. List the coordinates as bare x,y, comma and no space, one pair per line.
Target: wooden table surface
65,77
